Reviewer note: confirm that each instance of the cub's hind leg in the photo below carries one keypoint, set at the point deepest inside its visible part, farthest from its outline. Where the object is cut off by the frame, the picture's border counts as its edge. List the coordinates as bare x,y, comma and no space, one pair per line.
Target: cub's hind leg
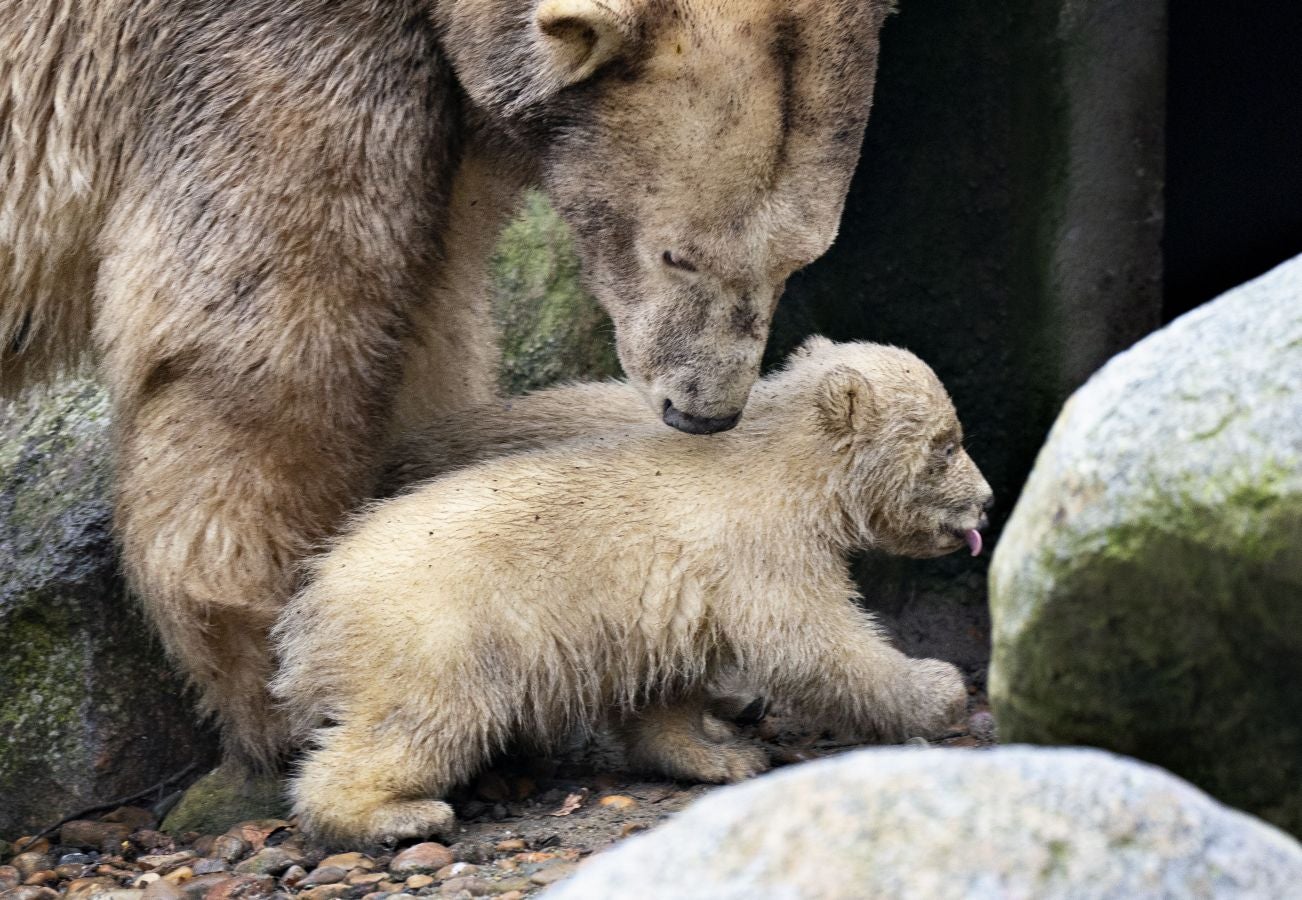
683,741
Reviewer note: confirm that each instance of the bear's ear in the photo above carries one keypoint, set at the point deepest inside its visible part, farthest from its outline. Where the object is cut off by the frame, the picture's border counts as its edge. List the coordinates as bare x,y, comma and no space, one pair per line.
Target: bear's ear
846,403
580,36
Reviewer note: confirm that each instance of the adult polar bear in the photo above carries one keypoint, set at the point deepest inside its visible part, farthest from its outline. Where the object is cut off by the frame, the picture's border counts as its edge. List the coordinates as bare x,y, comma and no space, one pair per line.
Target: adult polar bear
267,221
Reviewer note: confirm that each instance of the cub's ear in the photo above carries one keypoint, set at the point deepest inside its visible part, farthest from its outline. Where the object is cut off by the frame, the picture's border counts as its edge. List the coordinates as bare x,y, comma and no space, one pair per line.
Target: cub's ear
580,36
846,403
810,344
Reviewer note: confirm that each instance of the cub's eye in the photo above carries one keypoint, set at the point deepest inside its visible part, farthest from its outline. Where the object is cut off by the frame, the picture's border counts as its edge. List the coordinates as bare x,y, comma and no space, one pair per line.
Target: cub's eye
674,261
949,450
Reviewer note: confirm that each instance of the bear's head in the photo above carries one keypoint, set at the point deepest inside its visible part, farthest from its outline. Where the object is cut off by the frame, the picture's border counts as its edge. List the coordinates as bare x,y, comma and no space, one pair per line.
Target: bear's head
700,152
888,430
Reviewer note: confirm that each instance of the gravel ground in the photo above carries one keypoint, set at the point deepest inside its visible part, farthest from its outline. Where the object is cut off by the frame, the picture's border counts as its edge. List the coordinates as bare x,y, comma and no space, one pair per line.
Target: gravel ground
523,825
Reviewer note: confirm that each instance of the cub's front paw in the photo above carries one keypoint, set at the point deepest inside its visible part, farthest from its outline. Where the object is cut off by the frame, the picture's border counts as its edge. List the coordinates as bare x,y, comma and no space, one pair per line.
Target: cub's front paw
938,698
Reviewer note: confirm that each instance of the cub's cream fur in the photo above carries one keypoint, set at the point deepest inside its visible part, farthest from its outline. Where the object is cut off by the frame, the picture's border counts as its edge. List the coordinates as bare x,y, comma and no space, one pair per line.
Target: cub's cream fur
611,578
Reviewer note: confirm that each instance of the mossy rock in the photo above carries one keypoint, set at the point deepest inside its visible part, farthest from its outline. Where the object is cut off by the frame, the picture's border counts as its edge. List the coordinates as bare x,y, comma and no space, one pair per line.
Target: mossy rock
89,708
551,328
1147,593
225,796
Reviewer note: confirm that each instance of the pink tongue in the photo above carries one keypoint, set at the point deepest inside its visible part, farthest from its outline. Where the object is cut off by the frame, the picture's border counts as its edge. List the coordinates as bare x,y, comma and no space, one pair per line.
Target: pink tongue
973,538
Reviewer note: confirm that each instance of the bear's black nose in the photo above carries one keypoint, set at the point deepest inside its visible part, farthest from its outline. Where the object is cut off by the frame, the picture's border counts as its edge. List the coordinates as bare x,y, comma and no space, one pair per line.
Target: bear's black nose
676,418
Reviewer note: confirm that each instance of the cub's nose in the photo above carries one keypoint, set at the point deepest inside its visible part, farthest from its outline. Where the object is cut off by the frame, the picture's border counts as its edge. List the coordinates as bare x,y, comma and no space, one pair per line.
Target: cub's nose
686,422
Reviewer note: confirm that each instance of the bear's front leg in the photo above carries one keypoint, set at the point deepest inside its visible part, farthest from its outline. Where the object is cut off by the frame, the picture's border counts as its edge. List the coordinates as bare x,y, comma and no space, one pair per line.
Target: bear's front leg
831,662
682,740
250,326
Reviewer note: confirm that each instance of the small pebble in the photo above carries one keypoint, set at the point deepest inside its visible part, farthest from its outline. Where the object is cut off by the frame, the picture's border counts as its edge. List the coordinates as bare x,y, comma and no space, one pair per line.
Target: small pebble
981,725
631,828
27,845
242,886
98,835
145,879
416,882
326,892
421,859
552,874
919,742
267,861
30,892
44,876
80,888
162,890
348,861
620,802
198,888
324,875
506,885
167,862
185,873
472,851
511,845
293,876
256,831
475,887
365,879
228,847
9,878
209,866
31,861
511,895
456,870
202,844
76,859
149,841
66,871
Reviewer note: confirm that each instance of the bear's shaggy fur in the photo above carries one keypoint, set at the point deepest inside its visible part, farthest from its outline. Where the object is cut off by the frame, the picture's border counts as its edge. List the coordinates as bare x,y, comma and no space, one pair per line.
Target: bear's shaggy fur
268,221
612,578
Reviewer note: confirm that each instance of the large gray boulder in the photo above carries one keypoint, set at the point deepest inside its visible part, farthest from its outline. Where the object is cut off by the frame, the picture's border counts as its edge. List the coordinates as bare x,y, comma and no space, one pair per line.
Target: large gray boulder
89,709
934,824
1147,592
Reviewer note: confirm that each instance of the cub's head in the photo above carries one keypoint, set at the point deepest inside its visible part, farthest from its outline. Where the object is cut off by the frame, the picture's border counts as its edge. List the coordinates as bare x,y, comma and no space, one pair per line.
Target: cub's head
700,152
905,482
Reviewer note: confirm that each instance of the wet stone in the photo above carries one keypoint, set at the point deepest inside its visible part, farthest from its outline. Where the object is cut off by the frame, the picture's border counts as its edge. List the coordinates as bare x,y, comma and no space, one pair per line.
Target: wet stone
348,861
267,861
210,866
162,890
457,869
293,876
31,862
97,835
8,878
324,875
242,886
30,892
167,862
475,887
326,892
228,847
421,859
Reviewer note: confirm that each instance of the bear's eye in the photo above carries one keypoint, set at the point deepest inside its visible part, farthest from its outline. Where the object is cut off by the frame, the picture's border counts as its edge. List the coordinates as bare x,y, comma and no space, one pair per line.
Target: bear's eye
674,261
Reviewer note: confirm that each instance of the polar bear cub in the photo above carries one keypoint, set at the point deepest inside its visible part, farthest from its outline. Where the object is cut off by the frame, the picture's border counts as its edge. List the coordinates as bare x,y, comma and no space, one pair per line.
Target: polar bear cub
611,578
